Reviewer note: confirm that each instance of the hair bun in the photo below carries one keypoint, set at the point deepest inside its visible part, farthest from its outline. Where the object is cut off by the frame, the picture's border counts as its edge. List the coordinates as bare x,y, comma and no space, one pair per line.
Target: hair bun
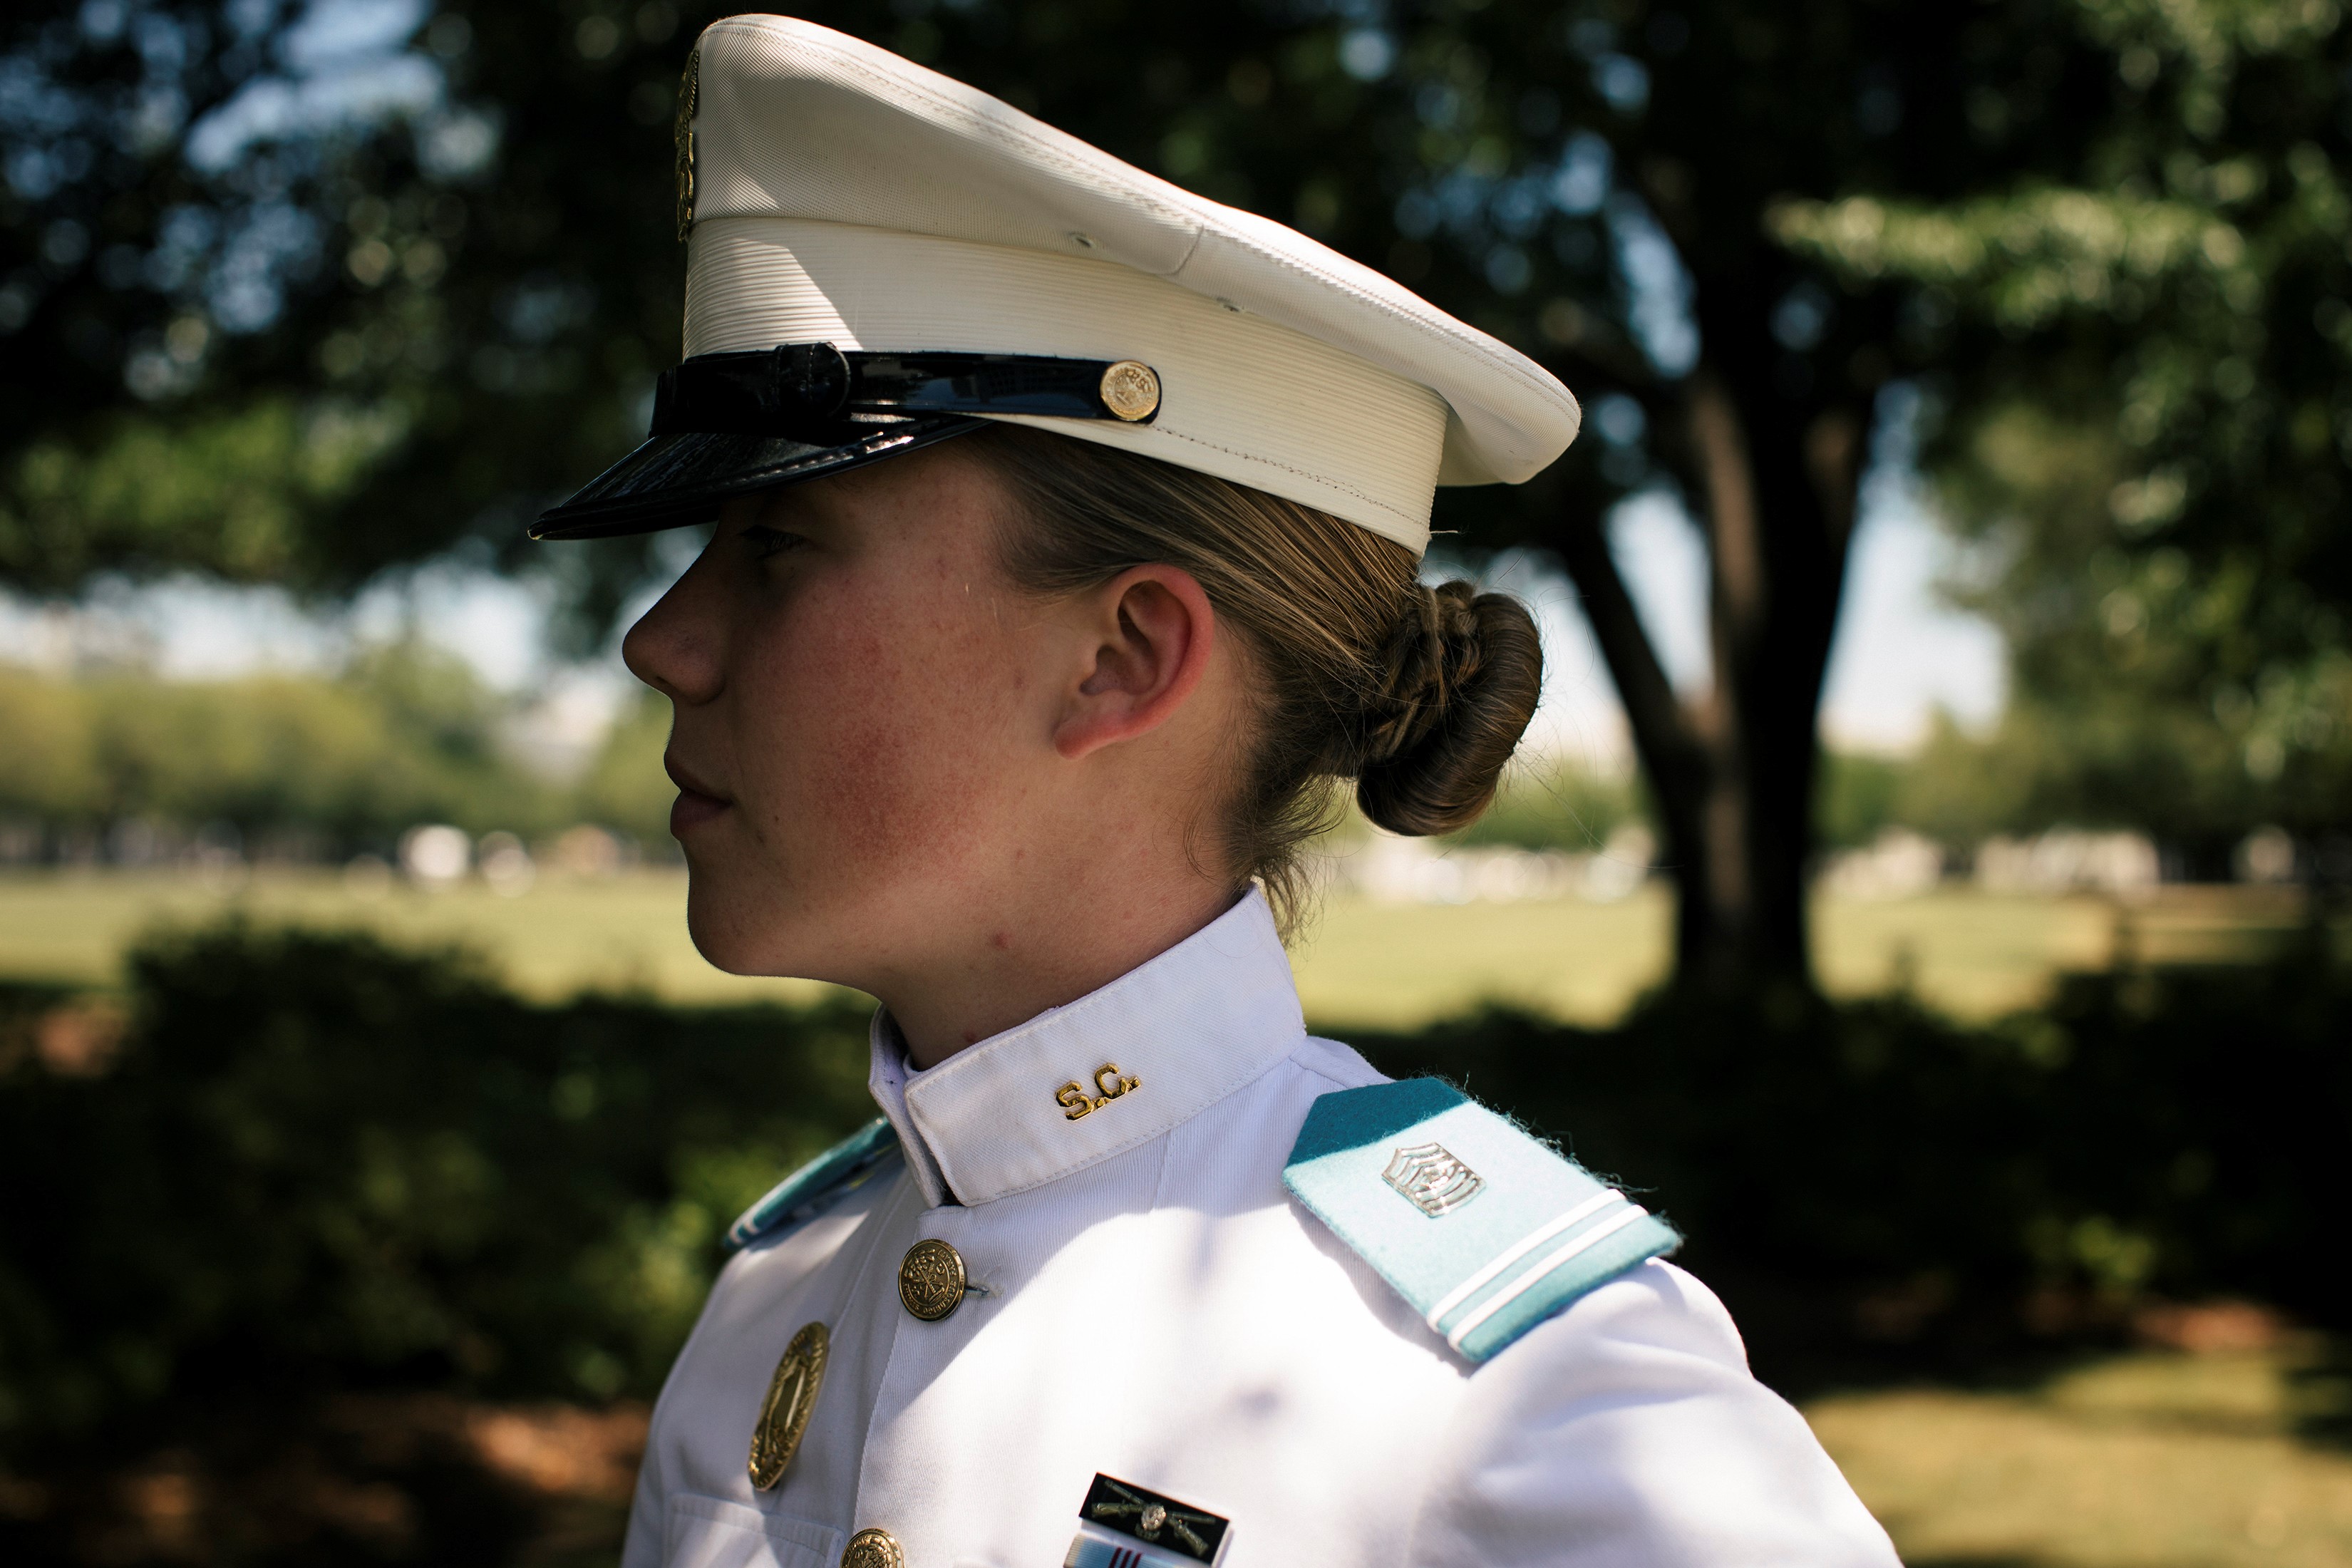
1460,675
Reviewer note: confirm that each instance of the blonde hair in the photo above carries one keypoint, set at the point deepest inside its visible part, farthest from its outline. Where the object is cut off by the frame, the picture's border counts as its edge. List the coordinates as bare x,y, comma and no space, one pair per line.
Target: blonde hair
1361,672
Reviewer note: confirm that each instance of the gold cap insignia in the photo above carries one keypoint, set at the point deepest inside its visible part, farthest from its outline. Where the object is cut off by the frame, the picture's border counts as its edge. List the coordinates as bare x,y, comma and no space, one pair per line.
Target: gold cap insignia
1130,389
784,1414
688,91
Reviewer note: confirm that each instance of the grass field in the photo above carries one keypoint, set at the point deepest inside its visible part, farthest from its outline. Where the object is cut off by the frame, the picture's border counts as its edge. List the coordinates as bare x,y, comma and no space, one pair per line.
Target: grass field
2141,1461
1360,965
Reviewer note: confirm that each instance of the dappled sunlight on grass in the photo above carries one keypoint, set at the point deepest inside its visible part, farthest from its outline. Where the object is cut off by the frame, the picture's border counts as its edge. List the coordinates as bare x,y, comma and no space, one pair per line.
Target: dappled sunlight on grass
2132,1462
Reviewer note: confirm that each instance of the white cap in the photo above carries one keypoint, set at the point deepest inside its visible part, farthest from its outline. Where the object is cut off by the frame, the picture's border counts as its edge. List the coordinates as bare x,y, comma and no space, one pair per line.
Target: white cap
837,194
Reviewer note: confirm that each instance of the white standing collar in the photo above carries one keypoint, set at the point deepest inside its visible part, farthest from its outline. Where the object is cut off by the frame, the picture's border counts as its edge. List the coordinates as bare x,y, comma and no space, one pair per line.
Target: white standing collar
1187,1028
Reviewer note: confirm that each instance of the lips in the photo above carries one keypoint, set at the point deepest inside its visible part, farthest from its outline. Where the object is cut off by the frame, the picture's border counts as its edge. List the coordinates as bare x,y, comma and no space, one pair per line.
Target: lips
698,802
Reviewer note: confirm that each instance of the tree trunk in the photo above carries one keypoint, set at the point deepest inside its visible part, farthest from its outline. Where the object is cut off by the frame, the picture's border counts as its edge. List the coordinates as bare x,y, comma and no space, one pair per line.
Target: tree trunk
1733,772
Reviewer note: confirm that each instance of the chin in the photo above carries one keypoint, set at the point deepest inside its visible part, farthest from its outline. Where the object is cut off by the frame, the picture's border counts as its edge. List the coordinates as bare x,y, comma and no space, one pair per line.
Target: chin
727,930
743,931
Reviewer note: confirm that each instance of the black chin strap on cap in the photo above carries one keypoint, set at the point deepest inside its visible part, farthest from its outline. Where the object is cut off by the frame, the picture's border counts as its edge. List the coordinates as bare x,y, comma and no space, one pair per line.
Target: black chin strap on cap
728,424
796,388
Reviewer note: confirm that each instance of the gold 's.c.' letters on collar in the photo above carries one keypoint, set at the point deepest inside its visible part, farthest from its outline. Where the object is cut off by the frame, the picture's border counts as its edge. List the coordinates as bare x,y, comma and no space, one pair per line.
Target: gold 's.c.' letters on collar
1075,1102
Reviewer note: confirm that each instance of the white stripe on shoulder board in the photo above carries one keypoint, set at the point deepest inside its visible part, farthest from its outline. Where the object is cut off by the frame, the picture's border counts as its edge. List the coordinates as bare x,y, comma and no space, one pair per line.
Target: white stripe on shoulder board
1528,1281
1519,1249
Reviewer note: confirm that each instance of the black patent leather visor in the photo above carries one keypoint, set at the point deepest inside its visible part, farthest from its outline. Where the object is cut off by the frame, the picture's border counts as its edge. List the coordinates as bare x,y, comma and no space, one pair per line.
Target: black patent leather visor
727,425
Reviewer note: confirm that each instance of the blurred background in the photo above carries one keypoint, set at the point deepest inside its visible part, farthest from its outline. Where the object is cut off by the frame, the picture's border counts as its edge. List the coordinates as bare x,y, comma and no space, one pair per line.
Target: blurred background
1927,879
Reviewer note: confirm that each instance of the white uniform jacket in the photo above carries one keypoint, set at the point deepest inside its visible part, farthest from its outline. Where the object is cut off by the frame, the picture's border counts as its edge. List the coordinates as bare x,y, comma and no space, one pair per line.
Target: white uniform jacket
1149,1303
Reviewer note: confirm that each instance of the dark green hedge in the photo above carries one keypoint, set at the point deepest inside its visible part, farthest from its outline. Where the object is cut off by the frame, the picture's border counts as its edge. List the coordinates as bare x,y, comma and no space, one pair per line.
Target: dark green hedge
316,1162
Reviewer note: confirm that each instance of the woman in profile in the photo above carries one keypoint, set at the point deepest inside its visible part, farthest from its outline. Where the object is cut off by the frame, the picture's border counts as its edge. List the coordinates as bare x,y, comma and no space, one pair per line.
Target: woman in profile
1066,564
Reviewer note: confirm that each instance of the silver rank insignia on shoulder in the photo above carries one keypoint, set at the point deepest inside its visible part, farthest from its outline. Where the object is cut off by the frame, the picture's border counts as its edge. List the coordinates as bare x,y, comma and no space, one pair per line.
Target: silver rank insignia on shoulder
1431,1179
1541,1233
1121,1525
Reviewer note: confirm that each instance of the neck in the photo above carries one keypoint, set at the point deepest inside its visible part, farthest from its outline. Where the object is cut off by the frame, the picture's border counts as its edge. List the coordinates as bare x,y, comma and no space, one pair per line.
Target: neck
1010,970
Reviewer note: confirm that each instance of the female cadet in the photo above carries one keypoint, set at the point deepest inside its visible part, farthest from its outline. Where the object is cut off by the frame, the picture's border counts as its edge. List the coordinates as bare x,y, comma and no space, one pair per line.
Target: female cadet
1068,530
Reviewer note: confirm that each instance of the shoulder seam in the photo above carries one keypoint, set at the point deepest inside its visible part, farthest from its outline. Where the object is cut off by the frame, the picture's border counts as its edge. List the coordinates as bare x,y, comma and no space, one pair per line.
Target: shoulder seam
1297,1057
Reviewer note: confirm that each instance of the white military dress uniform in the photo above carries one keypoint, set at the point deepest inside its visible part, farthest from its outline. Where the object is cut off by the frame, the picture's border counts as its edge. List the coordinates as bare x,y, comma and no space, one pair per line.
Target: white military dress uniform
1149,1303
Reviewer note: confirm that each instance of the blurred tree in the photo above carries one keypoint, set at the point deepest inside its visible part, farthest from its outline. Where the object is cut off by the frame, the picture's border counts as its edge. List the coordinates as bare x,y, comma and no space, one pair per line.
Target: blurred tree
298,292
2157,758
1567,806
46,770
407,734
625,787
2144,391
1859,797
1727,223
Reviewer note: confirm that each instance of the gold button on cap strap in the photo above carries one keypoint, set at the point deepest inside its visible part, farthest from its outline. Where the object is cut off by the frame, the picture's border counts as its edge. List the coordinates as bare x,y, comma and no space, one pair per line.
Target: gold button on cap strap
1130,389
931,1281
872,1549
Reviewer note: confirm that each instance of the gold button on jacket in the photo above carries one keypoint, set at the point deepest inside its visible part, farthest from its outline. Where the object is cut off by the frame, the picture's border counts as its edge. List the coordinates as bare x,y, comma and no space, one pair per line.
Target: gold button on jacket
931,1279
872,1549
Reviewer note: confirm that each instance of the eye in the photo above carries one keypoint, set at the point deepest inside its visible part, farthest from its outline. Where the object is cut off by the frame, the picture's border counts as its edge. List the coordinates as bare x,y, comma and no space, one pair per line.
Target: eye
766,542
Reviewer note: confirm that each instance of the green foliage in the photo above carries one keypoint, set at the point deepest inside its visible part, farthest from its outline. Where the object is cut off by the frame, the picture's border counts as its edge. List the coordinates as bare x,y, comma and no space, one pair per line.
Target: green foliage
491,319
2117,224
2030,256
319,1162
1857,796
48,769
234,494
2145,370
1565,806
407,734
2152,683
415,334
625,787
2196,778
2171,313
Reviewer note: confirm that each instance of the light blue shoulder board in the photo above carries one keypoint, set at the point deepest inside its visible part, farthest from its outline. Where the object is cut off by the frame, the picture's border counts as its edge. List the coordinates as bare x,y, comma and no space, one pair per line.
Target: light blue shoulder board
831,1175
1486,1231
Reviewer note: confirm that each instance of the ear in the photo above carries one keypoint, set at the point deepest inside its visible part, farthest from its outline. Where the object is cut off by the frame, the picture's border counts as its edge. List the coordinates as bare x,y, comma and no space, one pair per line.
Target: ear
1151,628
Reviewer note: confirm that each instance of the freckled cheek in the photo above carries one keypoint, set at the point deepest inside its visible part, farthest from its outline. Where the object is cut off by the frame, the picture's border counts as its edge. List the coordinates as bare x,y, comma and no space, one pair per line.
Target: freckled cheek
875,736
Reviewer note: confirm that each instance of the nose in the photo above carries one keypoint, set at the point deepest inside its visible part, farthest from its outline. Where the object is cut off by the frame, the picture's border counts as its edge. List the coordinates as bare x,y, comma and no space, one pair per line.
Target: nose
675,647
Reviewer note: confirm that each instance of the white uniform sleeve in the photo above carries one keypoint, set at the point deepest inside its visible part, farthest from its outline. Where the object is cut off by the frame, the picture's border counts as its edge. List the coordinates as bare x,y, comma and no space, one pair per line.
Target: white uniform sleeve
1628,1433
645,1546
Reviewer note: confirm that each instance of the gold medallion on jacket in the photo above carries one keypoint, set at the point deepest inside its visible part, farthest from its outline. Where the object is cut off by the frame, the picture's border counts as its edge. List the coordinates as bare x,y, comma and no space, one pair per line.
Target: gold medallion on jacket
784,1414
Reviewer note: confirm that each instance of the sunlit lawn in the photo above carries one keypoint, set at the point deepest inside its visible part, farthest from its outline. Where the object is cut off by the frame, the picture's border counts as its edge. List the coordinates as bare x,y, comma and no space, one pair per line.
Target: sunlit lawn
1360,965
2143,1461
562,936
